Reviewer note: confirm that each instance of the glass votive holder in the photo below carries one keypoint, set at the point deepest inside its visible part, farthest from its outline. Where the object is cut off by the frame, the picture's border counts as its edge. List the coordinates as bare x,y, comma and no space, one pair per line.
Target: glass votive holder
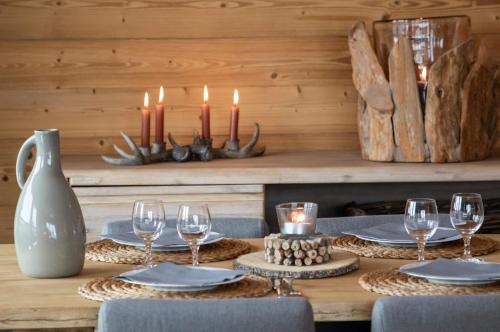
297,218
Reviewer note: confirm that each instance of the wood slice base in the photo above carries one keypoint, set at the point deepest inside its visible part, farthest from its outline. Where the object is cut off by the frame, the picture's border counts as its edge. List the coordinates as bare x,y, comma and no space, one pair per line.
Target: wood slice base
255,263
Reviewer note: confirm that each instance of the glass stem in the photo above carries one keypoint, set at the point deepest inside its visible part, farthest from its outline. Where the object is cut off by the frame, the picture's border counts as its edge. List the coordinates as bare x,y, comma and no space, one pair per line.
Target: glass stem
149,253
195,248
420,249
467,239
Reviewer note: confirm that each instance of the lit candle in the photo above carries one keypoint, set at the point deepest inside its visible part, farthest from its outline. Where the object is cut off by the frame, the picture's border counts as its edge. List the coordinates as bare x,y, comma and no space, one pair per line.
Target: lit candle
205,115
235,111
145,122
160,110
298,224
422,85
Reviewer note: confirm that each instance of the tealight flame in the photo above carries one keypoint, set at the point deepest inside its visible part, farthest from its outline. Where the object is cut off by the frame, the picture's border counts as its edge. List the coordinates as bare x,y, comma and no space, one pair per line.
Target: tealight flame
160,97
298,217
236,97
422,73
146,100
205,94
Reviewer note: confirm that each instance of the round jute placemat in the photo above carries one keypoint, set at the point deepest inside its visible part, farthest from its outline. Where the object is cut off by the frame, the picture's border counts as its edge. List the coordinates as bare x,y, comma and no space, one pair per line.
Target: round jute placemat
111,252
480,245
392,282
104,289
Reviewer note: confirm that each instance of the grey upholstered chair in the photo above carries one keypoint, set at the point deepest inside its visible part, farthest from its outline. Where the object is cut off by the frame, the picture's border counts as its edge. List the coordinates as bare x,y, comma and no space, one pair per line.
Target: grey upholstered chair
240,315
335,226
437,313
231,227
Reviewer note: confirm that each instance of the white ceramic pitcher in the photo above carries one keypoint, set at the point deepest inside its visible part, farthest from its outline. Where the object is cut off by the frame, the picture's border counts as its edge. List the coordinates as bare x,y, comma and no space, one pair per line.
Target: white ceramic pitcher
49,231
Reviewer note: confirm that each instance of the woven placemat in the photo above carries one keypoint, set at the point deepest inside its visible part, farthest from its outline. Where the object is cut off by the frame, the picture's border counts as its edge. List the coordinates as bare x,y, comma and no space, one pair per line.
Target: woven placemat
392,282
111,252
104,289
480,245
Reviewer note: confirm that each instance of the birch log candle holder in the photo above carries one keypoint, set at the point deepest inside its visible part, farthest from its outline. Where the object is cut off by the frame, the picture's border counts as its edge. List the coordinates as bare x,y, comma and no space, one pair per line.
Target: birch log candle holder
201,149
297,250
457,120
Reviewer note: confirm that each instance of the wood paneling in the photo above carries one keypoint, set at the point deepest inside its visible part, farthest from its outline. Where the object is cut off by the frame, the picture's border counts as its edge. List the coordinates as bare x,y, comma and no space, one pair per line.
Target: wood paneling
82,66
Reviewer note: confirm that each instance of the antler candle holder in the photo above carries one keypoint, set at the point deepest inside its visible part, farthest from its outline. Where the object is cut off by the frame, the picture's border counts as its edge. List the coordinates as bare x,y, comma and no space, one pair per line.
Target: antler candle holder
201,149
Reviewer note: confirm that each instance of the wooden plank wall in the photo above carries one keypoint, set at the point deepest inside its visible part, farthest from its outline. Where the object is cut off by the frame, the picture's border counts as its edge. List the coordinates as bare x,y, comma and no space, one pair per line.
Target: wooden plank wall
83,65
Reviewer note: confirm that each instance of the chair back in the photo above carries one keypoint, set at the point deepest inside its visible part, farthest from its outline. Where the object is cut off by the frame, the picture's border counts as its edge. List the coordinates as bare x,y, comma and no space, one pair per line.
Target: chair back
293,314
461,313
335,226
231,227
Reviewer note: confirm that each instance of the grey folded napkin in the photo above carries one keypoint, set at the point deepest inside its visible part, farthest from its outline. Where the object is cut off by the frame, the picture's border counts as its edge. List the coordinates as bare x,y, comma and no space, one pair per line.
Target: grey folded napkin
453,269
168,237
169,274
395,232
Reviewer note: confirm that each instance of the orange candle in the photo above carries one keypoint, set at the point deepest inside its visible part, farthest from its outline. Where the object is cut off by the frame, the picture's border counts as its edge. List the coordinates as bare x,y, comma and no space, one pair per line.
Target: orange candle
145,127
160,110
235,111
205,115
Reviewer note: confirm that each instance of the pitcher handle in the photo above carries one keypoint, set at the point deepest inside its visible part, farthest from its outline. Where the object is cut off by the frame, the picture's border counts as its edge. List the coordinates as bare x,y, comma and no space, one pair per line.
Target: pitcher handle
22,157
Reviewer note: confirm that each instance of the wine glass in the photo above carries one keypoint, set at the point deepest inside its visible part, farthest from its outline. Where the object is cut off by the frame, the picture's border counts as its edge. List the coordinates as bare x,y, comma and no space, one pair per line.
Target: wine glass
467,215
421,221
193,226
148,220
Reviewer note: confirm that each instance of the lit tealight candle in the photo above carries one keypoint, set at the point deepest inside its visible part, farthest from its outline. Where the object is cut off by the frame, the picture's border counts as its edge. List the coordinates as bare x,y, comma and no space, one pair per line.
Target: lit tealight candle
145,127
298,224
205,115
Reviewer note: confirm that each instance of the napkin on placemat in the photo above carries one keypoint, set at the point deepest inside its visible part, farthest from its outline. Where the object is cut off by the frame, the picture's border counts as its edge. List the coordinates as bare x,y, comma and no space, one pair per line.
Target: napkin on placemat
168,237
172,274
397,232
454,270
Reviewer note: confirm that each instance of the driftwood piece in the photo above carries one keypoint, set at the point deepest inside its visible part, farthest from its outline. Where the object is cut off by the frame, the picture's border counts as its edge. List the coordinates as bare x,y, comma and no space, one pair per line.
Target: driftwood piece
367,74
363,129
444,103
476,132
375,133
381,135
407,118
375,111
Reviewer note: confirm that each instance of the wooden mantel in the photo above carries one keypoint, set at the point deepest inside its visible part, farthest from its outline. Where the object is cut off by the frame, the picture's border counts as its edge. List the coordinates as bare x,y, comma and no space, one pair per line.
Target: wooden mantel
282,168
236,188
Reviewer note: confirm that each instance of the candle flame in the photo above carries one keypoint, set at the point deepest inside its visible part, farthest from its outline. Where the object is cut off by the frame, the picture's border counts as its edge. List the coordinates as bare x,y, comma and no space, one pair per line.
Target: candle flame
236,97
298,217
205,94
422,72
160,97
146,100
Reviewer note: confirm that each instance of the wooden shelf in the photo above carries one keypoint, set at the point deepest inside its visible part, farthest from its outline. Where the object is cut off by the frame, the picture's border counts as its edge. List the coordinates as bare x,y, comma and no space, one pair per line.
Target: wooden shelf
279,168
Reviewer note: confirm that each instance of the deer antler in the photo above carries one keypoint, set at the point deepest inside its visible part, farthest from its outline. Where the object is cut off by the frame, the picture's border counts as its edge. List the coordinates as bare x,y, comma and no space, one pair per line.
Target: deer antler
128,159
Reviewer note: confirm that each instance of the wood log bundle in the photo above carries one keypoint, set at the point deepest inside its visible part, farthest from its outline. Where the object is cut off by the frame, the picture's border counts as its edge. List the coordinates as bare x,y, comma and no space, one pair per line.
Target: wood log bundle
297,250
460,118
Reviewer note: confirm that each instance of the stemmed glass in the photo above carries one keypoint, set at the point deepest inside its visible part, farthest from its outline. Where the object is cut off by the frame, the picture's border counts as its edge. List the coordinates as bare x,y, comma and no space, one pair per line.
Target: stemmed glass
467,215
193,226
148,220
421,221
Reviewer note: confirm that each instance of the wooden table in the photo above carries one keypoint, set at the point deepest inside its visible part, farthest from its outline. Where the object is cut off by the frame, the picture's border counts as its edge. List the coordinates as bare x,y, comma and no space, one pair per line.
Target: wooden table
54,303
